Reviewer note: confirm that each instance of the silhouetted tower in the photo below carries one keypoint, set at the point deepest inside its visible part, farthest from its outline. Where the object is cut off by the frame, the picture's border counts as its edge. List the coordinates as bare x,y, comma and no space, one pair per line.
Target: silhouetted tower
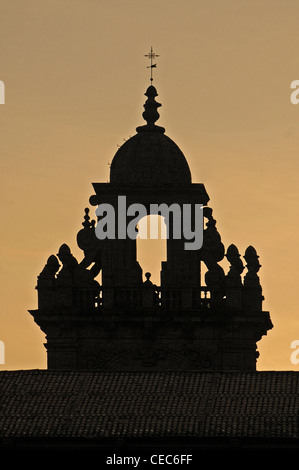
126,322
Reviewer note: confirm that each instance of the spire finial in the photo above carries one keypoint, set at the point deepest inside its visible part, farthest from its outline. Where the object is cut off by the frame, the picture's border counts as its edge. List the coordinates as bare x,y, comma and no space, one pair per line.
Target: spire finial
151,55
150,114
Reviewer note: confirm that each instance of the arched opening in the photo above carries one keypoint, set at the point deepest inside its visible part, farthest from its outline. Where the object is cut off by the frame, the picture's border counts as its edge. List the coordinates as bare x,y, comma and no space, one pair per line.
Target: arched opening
151,246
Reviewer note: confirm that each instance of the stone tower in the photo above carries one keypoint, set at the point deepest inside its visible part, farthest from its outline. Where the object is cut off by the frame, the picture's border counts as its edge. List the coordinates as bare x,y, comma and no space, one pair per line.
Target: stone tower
127,323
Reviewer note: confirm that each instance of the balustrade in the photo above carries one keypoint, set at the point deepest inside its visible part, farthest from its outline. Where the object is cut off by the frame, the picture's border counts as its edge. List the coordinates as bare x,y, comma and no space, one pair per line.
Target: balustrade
145,297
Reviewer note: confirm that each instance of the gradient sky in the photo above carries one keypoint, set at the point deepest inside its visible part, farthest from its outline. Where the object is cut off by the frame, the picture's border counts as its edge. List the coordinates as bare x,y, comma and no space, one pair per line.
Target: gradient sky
75,76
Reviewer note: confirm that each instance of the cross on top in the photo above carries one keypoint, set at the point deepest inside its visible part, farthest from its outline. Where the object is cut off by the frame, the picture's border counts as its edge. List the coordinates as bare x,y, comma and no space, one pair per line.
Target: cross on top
151,55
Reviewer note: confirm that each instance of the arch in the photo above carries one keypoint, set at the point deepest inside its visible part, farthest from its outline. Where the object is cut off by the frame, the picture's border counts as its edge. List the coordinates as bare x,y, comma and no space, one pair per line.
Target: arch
151,245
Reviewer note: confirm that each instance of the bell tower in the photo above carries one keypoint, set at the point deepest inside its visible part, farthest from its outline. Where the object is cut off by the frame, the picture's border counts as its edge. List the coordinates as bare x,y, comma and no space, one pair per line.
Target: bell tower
198,318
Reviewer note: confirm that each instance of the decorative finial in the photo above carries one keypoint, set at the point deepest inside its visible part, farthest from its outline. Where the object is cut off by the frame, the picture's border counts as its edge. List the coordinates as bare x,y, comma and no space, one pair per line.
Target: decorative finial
150,114
236,264
87,222
86,218
252,260
151,55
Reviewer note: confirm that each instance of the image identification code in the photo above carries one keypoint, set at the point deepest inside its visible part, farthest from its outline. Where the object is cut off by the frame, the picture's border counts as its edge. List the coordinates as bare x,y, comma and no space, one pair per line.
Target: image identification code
155,459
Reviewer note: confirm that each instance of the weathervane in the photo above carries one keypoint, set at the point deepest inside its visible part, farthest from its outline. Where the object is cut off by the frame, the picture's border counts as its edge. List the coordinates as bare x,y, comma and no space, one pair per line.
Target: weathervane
151,55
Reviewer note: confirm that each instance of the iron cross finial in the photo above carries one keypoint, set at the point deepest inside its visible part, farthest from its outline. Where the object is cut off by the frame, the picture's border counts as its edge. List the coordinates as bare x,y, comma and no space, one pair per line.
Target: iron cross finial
151,55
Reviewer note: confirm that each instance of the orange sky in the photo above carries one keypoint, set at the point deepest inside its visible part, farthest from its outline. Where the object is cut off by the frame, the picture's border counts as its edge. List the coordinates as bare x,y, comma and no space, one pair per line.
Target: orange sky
75,76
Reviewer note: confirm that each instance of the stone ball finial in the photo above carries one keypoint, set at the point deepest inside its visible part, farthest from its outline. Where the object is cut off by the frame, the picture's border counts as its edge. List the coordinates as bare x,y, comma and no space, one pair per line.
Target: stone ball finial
148,282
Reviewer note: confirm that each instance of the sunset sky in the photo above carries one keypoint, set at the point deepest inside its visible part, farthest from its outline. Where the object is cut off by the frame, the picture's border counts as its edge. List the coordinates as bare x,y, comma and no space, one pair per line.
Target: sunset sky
75,77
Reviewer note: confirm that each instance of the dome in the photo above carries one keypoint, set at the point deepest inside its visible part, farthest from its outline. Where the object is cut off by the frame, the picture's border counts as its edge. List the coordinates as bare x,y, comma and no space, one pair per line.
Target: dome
150,158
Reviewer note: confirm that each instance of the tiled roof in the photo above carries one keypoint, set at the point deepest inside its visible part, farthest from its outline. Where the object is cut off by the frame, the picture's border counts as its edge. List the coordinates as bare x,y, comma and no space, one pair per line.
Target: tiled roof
96,405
